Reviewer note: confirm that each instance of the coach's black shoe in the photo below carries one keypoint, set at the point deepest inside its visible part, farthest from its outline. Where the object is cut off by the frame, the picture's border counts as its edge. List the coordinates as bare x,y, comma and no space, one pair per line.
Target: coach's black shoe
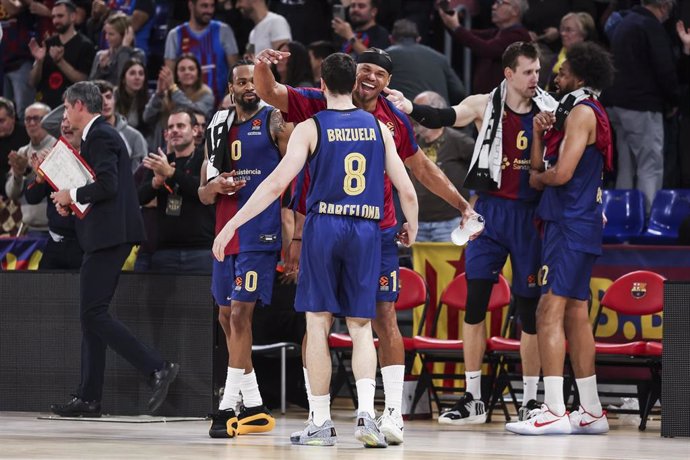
77,407
224,424
160,382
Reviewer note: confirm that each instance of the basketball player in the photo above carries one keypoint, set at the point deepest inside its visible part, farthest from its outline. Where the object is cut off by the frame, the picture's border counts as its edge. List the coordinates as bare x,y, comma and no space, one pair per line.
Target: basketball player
576,147
243,147
509,212
374,68
348,151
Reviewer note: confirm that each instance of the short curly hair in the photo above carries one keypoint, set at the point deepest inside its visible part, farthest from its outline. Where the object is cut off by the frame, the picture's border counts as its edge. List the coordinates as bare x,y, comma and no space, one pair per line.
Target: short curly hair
591,63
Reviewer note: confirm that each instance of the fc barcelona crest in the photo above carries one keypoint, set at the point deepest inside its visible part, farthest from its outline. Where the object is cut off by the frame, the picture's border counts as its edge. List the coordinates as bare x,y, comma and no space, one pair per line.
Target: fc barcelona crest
639,290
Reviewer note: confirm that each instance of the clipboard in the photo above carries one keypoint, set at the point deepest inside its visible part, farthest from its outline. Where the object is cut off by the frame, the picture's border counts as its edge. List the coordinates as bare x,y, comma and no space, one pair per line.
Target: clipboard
64,169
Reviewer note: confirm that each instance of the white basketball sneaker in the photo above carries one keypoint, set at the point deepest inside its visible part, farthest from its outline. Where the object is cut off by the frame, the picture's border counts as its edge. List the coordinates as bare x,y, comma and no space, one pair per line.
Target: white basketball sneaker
542,421
391,425
582,422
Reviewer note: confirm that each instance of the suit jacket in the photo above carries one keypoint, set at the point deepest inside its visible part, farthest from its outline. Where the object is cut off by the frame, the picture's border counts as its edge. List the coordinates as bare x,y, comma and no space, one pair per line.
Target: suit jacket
114,217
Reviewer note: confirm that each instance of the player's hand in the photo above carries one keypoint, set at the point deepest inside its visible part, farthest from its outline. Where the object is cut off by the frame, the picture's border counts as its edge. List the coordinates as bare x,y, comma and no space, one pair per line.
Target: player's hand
534,181
226,184
222,240
543,121
468,214
288,278
407,235
269,56
399,100
292,257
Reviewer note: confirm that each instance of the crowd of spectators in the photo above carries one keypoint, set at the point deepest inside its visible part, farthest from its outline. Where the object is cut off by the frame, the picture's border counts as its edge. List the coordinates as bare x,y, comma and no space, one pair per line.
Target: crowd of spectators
156,61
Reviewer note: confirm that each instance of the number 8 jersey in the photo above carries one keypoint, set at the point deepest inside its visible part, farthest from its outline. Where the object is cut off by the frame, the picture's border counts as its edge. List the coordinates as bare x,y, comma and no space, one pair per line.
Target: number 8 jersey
347,166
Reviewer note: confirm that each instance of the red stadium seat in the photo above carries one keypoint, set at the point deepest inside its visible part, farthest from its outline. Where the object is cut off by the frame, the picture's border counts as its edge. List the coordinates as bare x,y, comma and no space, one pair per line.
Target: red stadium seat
433,350
638,293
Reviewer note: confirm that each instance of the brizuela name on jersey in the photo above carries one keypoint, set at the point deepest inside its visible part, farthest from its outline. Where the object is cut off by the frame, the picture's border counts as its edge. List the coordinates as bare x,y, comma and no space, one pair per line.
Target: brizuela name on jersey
350,134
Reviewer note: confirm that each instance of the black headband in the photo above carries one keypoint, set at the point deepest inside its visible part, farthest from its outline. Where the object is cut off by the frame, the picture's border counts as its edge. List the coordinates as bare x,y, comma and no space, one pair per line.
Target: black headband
378,57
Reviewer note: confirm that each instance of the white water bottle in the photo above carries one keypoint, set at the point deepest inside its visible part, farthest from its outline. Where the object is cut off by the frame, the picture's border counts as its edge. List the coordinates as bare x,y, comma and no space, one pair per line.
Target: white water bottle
461,235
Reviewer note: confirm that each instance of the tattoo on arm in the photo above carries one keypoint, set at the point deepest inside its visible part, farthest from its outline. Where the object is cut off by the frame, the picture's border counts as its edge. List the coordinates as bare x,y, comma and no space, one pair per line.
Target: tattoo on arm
278,124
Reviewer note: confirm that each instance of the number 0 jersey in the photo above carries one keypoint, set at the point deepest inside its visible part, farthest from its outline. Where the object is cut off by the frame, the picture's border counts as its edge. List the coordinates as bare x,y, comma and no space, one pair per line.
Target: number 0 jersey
253,156
347,167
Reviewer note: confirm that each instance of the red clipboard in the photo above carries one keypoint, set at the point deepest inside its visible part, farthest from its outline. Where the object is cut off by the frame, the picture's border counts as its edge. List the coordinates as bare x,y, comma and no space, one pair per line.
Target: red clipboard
87,174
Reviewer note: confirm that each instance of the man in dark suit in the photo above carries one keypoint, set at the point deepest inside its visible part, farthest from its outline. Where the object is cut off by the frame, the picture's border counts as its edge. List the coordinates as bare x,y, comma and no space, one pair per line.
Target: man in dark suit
106,234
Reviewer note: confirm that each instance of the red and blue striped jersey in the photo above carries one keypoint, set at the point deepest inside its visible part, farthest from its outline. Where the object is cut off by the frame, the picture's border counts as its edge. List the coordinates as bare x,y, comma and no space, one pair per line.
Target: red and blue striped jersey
515,166
253,155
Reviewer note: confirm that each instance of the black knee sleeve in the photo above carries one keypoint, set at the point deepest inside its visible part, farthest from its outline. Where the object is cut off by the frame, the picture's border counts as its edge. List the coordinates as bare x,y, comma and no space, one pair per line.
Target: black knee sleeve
526,308
478,294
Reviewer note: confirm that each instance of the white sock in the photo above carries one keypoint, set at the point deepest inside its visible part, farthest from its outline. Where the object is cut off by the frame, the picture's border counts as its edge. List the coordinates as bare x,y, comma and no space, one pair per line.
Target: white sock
529,388
250,390
232,389
307,386
321,409
473,383
393,380
365,396
553,394
589,398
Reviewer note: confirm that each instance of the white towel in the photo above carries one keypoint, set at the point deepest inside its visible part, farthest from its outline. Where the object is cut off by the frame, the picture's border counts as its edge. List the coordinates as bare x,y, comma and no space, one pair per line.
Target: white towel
488,151
217,138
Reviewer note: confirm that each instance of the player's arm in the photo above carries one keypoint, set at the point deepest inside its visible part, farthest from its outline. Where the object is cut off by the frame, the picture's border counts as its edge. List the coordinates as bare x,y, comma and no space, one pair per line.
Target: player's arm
208,191
580,129
267,88
299,146
431,177
542,122
471,109
280,131
406,192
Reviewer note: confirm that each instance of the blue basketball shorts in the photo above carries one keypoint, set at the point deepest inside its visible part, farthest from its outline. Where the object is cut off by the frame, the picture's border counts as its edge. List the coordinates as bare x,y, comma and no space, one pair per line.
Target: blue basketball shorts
244,277
509,230
565,272
339,264
388,280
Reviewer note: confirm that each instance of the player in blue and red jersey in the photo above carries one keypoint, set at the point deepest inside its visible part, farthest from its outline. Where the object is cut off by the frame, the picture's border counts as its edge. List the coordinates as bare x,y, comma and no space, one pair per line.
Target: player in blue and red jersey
509,213
243,148
374,68
575,150
346,148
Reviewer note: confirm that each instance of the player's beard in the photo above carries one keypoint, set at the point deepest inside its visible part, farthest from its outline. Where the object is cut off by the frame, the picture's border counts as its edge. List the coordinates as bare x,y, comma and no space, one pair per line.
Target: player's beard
248,106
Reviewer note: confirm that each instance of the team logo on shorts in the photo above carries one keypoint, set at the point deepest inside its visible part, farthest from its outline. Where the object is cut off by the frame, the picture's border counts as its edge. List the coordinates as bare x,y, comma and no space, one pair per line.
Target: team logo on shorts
639,290
383,284
532,280
238,283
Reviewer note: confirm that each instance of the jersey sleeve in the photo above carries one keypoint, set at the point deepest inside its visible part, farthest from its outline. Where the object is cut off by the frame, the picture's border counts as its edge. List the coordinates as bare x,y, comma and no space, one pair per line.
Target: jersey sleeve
405,140
303,103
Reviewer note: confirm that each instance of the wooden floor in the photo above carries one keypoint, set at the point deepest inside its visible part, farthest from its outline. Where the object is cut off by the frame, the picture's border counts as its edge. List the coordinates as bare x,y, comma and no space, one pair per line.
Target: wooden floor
23,435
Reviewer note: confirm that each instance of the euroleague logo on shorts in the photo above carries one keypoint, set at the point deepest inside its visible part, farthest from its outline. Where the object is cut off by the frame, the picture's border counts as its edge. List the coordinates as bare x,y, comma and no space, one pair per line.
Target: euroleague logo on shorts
532,280
383,284
238,283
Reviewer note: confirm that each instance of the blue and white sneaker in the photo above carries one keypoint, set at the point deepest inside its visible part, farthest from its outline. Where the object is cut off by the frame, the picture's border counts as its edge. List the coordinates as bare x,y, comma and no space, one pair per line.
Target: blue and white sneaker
367,431
314,435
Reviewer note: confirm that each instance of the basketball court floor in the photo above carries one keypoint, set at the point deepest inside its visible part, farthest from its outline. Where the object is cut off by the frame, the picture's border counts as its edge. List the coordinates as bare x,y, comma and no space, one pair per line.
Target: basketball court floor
24,435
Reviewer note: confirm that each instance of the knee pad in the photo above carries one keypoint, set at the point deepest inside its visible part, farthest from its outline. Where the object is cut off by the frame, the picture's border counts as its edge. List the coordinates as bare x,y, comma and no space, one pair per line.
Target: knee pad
478,294
526,308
